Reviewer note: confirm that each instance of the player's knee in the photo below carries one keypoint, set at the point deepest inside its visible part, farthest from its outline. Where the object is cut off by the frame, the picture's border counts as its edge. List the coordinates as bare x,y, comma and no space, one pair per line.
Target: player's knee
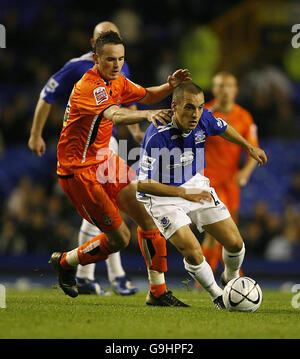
119,239
236,244
124,239
194,257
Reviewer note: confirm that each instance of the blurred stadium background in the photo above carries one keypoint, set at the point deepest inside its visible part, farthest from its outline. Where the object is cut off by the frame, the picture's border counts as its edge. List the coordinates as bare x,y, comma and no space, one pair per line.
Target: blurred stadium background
250,38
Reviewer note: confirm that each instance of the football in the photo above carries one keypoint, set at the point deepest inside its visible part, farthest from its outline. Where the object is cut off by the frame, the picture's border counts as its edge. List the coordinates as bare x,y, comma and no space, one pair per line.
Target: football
242,294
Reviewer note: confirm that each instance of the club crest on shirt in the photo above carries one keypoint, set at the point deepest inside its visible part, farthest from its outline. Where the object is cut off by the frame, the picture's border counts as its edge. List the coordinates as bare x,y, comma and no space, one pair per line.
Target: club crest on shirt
200,136
100,95
165,222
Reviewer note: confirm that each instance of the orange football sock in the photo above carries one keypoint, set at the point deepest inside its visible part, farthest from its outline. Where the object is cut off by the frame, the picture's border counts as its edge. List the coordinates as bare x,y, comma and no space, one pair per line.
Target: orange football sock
95,250
211,256
63,262
154,250
158,289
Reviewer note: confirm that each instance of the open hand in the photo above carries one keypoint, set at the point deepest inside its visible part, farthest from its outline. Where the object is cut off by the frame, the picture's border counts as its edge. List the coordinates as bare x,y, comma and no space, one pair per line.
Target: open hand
178,77
197,195
162,116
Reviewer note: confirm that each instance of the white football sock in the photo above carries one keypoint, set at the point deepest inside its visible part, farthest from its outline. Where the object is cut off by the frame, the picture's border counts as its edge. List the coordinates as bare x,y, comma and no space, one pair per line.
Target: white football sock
203,274
232,263
114,266
156,277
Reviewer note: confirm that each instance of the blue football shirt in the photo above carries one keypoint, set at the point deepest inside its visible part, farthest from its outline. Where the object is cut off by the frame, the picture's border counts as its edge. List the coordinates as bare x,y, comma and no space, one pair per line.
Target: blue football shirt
60,85
172,157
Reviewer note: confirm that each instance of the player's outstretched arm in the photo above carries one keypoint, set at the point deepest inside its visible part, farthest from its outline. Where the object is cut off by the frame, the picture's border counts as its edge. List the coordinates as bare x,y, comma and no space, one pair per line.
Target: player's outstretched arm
164,190
157,93
36,142
230,134
125,116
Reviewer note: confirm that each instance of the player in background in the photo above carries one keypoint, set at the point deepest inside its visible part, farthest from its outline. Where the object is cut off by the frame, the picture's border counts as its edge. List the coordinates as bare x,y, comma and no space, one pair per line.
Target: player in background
97,181
59,86
223,158
175,193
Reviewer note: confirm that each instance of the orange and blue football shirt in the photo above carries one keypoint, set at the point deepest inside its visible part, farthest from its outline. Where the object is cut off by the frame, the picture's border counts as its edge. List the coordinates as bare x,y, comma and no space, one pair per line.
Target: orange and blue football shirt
85,129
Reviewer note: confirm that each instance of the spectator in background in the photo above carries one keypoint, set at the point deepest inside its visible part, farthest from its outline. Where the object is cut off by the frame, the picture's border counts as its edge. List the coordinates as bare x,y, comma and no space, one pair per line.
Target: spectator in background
11,240
284,246
267,92
293,192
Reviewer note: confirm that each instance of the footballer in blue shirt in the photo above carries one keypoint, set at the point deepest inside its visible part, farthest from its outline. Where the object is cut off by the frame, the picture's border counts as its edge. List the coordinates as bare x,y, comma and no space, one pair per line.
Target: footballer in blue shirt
175,192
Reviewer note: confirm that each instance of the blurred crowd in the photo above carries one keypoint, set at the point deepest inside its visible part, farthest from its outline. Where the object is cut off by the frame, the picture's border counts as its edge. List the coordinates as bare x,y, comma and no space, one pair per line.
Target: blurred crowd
36,217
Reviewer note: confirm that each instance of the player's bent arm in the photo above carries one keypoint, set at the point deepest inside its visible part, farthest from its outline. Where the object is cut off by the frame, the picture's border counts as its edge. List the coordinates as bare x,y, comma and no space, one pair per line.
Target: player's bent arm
134,129
230,134
245,172
159,189
158,93
41,113
125,116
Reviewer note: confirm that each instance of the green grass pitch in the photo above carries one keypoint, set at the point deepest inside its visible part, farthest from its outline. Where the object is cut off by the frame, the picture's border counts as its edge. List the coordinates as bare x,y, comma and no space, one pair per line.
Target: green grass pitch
48,313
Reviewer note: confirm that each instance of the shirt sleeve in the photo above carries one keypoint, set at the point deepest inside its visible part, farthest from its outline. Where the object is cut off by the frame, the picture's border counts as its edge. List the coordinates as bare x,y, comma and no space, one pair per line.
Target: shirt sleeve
213,125
151,151
132,92
250,131
91,100
61,83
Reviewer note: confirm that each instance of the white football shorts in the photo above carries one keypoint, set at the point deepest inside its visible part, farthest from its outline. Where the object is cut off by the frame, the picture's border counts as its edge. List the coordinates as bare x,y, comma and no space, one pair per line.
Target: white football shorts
172,213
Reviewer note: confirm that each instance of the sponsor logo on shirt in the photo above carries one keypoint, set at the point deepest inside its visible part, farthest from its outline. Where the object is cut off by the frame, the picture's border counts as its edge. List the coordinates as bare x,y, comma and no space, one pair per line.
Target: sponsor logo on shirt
100,95
221,123
185,159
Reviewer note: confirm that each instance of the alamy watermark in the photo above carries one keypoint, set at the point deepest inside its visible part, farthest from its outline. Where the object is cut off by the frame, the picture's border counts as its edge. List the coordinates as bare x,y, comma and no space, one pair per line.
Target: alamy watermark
295,302
2,296
2,37
296,37
161,164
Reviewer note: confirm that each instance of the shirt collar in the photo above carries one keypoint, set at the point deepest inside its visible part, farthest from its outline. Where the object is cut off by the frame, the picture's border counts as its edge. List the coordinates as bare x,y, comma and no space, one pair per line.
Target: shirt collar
174,124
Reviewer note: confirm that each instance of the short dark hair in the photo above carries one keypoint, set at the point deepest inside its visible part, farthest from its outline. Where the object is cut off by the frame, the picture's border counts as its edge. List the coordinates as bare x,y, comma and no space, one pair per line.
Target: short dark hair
187,86
108,37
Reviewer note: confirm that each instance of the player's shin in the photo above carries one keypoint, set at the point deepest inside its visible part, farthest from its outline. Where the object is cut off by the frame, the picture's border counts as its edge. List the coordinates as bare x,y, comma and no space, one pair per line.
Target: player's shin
154,251
232,263
95,250
203,274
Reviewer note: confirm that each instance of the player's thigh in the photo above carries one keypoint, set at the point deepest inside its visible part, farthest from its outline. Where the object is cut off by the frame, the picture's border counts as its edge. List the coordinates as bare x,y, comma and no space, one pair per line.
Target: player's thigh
187,244
226,233
92,202
128,204
224,193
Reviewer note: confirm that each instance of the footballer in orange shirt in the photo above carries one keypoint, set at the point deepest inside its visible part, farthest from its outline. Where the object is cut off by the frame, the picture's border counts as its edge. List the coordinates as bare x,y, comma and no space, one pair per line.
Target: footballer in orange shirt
97,181
223,158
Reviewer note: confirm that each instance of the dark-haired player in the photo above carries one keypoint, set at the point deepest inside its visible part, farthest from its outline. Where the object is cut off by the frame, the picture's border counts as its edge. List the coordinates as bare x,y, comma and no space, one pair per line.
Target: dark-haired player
97,181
